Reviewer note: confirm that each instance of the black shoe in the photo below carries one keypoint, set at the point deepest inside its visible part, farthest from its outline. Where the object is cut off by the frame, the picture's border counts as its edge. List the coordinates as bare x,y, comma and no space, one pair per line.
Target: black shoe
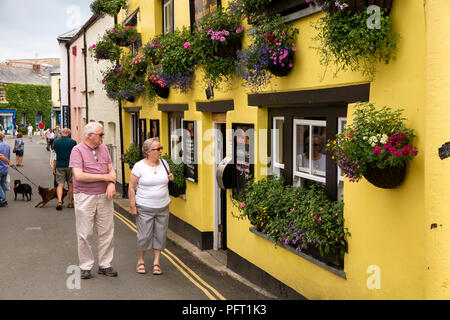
107,272
85,274
59,206
4,204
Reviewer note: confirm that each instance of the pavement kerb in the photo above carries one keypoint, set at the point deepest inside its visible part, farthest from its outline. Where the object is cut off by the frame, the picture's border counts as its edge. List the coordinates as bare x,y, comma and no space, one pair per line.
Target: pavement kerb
121,207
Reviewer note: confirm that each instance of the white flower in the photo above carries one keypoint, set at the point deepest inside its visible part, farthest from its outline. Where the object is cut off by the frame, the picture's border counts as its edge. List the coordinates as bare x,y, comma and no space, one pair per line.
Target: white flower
374,144
364,138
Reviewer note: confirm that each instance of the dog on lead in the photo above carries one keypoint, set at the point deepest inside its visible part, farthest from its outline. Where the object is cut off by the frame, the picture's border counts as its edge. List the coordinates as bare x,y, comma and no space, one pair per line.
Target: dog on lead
22,188
47,195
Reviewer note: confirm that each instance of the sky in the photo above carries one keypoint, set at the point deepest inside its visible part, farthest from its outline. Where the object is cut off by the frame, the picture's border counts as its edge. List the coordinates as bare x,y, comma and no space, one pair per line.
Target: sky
29,28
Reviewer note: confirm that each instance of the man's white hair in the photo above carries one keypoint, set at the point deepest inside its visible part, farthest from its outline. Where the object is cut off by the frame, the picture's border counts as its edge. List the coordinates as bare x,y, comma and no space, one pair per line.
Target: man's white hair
92,127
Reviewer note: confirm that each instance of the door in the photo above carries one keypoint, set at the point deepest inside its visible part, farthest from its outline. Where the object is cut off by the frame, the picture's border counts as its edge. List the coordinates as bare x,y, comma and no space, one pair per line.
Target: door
220,195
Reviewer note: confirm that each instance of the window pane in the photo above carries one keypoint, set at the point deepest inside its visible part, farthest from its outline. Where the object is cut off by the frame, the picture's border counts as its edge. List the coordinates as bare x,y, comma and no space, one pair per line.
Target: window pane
279,134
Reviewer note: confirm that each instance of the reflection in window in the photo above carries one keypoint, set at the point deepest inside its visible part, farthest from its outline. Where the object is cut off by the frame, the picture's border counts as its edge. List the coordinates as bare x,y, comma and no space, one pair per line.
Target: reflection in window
176,131
168,16
309,157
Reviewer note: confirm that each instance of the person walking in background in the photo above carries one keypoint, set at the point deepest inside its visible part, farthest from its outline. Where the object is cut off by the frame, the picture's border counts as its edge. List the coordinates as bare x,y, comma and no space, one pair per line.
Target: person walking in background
19,148
63,147
94,187
150,204
41,128
30,132
5,151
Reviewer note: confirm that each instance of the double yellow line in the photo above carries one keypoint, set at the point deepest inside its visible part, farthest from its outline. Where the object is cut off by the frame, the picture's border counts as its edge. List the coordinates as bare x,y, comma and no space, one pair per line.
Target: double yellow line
209,291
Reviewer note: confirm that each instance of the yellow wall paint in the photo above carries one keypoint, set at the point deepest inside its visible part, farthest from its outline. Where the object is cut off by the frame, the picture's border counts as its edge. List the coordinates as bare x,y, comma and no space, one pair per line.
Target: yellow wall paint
387,226
437,123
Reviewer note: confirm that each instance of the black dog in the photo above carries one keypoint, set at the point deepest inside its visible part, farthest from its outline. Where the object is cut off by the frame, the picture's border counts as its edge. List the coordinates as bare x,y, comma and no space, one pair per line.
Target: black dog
24,189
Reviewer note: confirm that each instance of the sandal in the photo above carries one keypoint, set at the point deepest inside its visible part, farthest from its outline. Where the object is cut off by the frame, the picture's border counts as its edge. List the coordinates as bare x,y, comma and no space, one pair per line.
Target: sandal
59,206
140,268
70,205
157,270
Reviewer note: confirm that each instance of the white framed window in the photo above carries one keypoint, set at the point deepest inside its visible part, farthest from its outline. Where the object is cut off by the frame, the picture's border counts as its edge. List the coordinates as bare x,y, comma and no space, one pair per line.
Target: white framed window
309,161
176,134
342,124
168,23
277,145
2,94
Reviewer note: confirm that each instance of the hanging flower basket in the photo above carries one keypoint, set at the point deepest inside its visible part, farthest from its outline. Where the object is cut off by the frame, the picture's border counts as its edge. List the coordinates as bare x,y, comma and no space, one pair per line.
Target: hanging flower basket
282,69
161,91
387,178
229,50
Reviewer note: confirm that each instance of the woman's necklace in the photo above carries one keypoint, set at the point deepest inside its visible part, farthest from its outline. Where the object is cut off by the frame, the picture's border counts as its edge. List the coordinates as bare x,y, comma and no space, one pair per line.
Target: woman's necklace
154,166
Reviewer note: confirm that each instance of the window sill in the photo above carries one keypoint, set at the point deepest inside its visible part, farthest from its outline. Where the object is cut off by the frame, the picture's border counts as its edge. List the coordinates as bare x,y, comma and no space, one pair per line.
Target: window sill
339,273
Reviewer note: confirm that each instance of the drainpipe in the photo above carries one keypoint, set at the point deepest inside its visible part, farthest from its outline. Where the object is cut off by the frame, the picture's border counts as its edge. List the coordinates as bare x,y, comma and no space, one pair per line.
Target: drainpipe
124,189
69,121
85,76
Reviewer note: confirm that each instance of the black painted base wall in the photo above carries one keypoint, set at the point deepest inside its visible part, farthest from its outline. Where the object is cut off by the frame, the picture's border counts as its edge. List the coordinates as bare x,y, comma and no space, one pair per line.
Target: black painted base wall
203,240
261,278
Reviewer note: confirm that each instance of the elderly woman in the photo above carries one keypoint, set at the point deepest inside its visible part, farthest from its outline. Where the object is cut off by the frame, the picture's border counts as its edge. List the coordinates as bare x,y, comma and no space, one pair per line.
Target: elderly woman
150,204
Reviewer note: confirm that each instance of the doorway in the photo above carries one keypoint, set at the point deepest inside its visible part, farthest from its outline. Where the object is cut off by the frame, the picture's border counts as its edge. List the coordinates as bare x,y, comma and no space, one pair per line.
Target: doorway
220,195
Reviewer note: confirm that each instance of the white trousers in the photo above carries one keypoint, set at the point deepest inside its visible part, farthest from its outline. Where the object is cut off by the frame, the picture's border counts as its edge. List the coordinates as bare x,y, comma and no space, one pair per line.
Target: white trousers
94,211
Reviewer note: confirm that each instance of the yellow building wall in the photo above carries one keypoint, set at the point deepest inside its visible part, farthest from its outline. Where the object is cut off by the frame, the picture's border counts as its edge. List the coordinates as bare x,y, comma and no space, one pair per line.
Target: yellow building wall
437,123
387,226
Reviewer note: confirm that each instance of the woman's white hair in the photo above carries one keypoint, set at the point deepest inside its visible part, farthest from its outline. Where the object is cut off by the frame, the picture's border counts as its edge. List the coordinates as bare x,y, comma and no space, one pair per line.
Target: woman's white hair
148,145
91,127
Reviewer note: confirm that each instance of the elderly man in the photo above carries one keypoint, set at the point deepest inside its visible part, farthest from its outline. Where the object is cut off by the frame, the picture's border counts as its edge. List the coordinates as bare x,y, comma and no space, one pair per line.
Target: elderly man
4,153
94,181
63,148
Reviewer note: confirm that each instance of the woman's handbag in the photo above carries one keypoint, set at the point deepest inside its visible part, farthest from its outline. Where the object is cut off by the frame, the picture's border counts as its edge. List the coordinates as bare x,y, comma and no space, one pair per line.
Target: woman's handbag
171,183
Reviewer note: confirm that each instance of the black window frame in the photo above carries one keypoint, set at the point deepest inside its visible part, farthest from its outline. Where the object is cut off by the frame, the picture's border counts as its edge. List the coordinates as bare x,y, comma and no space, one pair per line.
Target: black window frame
331,112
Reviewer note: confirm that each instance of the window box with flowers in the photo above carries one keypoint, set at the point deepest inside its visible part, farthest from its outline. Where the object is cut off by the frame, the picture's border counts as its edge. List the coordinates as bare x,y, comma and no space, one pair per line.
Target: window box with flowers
350,38
377,145
105,50
156,84
123,36
303,219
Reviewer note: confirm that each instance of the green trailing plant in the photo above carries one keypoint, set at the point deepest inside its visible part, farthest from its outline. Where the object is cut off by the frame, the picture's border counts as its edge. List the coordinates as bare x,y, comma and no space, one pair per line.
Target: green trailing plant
132,155
347,42
218,36
110,7
250,8
177,169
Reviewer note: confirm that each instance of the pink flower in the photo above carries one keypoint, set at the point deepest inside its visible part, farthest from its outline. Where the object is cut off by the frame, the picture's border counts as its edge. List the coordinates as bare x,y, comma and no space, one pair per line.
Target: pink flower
414,152
93,46
377,150
242,205
187,45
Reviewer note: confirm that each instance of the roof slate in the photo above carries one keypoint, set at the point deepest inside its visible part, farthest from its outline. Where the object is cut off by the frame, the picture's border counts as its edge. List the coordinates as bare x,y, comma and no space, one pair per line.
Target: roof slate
24,76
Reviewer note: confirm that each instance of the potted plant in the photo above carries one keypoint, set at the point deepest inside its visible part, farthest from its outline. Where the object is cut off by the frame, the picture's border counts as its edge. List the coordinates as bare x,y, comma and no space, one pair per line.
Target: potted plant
177,59
218,37
157,84
110,7
105,49
346,41
123,36
271,52
178,187
132,155
377,145
154,50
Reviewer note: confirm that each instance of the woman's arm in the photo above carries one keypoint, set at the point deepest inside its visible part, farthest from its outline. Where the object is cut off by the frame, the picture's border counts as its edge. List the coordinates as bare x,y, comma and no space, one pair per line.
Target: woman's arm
132,185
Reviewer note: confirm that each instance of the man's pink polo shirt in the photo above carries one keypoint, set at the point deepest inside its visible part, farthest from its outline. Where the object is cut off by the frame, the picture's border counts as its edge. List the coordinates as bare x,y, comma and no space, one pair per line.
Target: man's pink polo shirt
83,157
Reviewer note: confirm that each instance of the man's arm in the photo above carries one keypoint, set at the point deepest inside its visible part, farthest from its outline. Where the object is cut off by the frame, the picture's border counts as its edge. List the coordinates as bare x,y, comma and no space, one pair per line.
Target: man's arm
5,159
93,177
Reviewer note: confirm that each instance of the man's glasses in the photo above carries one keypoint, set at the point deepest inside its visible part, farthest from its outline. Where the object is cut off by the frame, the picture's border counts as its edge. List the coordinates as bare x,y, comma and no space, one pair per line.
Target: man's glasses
99,134
95,155
158,149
